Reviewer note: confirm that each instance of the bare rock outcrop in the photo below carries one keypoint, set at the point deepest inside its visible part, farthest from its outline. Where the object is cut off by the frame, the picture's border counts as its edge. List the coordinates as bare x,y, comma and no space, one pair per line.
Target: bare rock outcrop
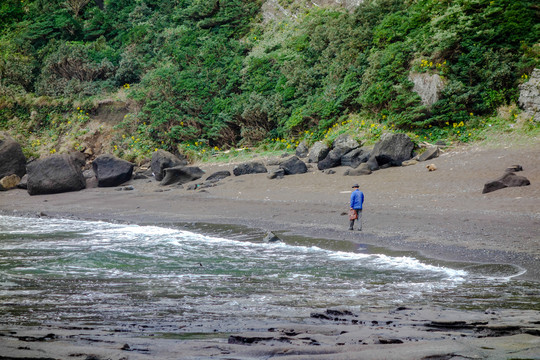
427,86
529,95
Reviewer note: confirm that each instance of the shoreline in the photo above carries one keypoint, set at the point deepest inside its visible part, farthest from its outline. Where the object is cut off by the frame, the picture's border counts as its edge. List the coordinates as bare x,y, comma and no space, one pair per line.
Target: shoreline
394,245
439,215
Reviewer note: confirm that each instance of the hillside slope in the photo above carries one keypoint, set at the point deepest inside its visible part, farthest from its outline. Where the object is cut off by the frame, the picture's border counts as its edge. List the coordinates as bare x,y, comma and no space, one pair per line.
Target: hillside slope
208,74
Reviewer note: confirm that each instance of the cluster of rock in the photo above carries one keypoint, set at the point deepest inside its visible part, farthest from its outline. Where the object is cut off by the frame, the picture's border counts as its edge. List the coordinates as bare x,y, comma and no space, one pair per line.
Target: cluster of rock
391,150
64,172
56,173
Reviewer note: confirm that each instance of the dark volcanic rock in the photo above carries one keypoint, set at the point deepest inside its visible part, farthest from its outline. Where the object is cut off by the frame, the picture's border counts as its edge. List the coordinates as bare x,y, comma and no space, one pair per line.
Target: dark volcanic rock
507,180
318,151
23,184
355,157
219,175
392,149
514,168
12,159
344,143
341,146
111,171
54,174
181,175
245,340
331,160
385,341
293,165
162,160
249,168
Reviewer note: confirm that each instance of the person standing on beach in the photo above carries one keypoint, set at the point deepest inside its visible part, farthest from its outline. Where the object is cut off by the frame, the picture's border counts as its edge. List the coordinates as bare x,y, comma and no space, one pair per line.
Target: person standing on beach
357,200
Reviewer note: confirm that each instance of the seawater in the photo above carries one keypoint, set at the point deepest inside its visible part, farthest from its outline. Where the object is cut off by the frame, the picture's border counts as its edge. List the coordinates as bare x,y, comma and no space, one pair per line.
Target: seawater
54,270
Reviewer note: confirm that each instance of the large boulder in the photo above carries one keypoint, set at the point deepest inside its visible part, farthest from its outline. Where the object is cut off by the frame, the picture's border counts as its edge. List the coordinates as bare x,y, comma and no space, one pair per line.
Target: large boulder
54,174
12,159
181,175
111,171
344,143
509,179
254,167
318,152
162,160
293,165
392,149
331,160
9,182
355,157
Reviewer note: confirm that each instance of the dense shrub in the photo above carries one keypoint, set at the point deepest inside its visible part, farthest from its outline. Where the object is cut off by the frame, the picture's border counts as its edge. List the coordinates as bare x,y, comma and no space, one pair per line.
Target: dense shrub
210,71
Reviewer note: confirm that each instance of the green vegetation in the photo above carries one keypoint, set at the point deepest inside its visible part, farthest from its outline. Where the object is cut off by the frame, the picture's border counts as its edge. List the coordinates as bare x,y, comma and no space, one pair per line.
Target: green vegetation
203,76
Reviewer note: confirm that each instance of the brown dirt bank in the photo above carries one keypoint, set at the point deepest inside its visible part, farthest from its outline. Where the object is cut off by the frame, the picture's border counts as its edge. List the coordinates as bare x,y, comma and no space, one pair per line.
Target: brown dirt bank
442,214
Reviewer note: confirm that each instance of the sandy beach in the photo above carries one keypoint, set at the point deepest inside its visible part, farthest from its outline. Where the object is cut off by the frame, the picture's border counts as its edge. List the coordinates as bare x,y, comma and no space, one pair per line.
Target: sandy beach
439,215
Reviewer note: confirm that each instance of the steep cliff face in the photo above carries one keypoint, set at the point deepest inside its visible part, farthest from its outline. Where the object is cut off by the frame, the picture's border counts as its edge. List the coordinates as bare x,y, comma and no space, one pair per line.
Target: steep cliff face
275,9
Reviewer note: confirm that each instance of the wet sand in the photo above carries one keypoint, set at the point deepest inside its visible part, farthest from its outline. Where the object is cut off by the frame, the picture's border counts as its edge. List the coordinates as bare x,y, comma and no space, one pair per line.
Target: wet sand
441,215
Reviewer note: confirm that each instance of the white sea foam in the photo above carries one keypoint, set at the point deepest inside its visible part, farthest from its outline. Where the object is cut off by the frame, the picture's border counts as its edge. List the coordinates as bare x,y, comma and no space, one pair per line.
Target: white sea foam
107,232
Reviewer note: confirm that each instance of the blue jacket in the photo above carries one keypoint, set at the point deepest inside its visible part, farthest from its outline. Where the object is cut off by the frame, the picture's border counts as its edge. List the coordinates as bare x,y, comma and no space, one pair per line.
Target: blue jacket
357,199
